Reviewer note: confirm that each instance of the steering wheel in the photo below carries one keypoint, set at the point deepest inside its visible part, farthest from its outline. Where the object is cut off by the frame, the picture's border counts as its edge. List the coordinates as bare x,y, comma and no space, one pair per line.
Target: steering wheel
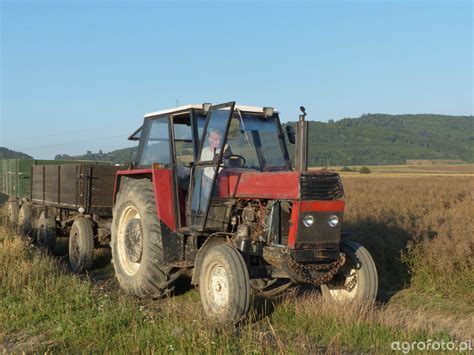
231,161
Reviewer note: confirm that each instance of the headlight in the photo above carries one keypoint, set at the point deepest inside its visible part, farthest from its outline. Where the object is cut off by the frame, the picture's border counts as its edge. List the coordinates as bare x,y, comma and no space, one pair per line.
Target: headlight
333,221
308,220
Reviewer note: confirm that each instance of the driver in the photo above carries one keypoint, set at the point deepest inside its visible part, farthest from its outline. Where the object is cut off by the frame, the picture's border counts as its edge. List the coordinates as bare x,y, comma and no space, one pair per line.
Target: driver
209,153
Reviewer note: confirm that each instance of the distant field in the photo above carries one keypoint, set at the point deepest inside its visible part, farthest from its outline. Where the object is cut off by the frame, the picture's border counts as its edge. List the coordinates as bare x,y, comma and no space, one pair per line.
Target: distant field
435,169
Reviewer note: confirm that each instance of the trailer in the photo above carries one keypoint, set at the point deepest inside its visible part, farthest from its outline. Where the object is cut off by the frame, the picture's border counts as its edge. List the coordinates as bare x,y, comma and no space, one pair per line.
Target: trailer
71,200
15,183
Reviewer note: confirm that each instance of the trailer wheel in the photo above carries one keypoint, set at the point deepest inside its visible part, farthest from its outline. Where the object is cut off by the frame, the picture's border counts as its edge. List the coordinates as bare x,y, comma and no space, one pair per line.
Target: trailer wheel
81,245
137,247
357,280
12,214
24,225
46,232
224,284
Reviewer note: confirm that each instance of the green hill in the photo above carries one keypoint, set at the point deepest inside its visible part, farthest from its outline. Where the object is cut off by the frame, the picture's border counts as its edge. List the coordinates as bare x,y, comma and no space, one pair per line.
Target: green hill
390,139
6,153
368,140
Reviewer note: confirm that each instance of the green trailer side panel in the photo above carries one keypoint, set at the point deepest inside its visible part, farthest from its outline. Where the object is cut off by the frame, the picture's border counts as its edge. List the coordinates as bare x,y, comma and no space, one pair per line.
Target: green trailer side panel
3,196
1,176
23,179
15,180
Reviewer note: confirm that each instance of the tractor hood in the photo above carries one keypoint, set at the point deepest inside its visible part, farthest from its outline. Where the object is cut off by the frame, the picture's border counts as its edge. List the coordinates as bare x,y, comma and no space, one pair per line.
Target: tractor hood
281,185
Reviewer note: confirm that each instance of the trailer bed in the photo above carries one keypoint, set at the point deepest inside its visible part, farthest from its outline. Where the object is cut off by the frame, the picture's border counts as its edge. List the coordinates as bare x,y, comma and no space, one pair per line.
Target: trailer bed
73,186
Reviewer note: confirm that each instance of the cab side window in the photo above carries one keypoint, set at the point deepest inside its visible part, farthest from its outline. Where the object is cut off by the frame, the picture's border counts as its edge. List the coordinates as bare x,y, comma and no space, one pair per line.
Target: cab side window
156,148
183,142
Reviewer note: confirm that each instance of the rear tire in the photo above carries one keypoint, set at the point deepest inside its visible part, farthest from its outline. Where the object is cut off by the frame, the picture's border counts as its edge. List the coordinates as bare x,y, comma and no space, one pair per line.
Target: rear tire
224,284
81,245
357,279
137,247
12,214
46,232
24,226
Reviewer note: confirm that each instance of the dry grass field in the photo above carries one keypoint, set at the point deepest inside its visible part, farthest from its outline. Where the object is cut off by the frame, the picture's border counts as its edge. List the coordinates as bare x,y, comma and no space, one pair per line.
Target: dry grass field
420,230
410,170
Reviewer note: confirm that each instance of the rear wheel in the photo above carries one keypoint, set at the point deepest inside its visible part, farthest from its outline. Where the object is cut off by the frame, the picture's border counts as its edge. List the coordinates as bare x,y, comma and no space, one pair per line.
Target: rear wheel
357,279
81,245
46,231
12,214
224,284
24,226
137,247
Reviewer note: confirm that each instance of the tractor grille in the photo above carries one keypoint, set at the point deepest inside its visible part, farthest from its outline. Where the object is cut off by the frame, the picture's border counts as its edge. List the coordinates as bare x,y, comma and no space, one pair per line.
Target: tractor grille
319,186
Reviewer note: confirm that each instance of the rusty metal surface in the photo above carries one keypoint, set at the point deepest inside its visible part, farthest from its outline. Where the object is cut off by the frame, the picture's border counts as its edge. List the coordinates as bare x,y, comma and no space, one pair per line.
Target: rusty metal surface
74,185
313,274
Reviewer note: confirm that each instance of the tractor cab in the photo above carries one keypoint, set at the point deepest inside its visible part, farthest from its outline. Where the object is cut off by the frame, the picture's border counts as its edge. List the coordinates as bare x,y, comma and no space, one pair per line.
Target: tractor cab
198,142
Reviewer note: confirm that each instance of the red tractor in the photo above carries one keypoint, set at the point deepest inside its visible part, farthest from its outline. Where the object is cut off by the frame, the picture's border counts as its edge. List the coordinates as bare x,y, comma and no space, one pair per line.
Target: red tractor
213,193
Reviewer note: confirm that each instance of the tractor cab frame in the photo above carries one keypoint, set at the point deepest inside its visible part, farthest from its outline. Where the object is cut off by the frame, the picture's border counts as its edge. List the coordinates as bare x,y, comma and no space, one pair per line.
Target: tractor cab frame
177,140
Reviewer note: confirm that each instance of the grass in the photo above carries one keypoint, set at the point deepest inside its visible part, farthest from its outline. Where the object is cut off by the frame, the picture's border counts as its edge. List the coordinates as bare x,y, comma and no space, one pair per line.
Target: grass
45,308
416,228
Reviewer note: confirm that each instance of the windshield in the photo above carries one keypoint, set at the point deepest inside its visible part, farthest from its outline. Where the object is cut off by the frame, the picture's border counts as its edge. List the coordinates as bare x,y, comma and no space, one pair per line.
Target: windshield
257,141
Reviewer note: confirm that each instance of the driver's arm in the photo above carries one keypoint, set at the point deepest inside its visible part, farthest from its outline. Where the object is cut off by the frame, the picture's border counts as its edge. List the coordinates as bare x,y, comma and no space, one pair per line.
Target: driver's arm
227,152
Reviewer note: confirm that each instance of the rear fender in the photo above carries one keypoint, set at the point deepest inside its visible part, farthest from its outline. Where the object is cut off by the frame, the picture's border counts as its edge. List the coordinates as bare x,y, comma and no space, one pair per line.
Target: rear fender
162,181
124,175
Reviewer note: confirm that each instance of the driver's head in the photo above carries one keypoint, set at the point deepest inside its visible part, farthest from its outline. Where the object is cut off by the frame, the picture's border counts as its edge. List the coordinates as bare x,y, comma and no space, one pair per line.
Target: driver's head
215,138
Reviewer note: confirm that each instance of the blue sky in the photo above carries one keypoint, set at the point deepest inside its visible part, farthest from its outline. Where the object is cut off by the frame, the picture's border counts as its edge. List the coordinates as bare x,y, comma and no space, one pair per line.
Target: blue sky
79,75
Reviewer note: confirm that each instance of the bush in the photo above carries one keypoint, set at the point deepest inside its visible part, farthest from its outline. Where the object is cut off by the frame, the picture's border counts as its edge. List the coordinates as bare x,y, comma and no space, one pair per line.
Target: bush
346,169
364,170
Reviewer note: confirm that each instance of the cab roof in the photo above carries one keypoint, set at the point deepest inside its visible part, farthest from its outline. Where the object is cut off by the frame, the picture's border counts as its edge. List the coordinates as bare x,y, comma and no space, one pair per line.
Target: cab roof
251,109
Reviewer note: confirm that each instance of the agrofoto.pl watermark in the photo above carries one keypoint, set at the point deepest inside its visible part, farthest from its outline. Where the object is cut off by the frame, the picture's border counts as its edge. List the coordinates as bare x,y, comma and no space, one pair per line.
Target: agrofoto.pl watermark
432,345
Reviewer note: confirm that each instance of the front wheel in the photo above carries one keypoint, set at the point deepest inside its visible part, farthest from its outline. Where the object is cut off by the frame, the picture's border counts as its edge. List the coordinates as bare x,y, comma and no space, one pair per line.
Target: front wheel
224,284
357,279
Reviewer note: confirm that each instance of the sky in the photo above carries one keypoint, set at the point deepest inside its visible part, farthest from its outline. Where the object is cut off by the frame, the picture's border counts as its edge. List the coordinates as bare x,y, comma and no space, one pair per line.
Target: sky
80,75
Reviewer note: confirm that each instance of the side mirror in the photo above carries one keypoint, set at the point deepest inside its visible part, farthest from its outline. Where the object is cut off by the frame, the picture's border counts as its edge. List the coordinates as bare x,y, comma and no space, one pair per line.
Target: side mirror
234,128
290,132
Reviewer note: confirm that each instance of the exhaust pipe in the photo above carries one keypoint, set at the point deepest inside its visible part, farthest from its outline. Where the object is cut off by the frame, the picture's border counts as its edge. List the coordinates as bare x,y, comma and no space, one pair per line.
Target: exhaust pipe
301,156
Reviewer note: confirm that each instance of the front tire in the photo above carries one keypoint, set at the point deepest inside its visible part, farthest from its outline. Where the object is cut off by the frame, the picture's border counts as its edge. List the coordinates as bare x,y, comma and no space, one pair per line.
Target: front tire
81,245
357,279
224,284
137,247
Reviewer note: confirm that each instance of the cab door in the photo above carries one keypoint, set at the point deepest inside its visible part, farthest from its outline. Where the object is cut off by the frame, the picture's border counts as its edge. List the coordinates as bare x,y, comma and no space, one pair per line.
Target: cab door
206,167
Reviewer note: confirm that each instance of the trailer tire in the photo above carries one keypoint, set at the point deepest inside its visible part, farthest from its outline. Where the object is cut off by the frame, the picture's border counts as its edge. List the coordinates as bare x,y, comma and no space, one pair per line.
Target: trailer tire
137,247
12,214
46,232
224,284
25,225
357,280
81,245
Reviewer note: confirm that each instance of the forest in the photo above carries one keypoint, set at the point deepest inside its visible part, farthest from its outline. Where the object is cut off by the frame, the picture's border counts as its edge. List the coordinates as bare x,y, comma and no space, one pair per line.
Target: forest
372,139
